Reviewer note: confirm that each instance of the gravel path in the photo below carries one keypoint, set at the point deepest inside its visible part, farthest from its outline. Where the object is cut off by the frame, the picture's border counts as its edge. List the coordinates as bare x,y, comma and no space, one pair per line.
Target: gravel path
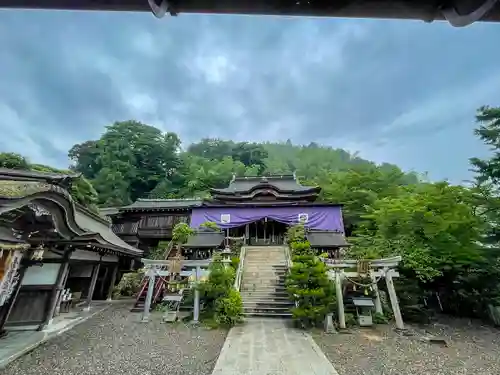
472,349
115,342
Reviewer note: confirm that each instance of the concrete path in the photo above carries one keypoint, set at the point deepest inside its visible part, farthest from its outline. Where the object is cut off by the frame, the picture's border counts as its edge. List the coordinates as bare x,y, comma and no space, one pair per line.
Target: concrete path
270,347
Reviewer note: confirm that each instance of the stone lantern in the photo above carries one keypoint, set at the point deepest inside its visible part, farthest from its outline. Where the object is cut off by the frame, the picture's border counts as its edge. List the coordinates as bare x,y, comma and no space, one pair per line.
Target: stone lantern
226,256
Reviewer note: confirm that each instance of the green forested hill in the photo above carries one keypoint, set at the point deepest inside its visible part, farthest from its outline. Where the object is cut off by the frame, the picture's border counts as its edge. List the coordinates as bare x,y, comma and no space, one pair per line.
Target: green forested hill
132,160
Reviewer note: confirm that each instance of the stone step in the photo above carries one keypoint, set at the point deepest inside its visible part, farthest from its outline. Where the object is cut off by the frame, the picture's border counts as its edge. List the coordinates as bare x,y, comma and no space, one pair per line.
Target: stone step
269,309
260,265
269,315
264,253
263,288
266,271
264,295
267,304
269,285
274,266
264,278
250,277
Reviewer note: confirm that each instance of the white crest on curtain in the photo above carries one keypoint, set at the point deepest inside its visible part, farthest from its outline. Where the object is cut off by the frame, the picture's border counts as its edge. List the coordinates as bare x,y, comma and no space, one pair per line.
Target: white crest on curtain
225,218
303,218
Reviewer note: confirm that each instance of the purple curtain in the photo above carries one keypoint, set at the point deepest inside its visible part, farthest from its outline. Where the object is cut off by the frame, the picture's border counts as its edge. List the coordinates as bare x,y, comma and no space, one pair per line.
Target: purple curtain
313,217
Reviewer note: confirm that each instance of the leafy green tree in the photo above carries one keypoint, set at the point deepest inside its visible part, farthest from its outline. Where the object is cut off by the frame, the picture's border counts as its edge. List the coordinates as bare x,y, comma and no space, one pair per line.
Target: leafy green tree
432,226
12,160
85,158
212,148
488,131
138,155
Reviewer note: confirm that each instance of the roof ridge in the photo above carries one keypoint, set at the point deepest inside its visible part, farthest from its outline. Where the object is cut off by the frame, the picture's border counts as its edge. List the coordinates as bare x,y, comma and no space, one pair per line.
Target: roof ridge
277,177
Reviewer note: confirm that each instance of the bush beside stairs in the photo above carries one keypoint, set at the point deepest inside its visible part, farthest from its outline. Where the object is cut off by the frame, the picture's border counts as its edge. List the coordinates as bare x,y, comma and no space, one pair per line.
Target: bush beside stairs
263,283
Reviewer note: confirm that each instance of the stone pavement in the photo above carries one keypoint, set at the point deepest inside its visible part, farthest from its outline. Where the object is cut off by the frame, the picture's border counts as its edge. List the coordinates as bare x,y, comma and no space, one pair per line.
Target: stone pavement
18,343
271,347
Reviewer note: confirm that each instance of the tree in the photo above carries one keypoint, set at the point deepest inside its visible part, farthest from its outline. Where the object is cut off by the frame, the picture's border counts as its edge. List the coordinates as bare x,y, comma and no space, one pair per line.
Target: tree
85,158
432,226
128,161
488,131
13,161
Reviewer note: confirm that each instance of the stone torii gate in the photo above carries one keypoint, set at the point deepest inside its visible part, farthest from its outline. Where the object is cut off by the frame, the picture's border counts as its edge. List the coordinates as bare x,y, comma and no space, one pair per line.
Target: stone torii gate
375,270
163,268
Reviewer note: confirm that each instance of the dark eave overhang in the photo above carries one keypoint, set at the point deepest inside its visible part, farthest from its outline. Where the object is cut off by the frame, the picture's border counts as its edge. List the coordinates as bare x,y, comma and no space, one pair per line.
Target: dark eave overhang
425,10
267,186
155,209
273,203
278,197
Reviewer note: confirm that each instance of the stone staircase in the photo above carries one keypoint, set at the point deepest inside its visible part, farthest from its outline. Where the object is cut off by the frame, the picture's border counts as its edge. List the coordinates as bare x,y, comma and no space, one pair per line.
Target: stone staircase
263,282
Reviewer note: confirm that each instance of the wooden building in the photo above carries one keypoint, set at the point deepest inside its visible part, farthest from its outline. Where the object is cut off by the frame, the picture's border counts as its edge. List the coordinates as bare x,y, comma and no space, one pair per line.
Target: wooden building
146,222
54,250
260,209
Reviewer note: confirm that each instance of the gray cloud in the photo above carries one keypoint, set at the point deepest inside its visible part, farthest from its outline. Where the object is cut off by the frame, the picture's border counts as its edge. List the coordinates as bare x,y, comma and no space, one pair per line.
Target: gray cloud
403,92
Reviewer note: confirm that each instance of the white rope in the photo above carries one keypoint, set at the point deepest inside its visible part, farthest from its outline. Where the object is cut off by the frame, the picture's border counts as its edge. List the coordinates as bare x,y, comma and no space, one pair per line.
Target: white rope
458,20
363,285
158,11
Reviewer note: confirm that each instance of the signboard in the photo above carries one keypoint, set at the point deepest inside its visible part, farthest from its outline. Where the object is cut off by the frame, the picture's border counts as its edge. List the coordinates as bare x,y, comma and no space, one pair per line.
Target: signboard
303,218
225,218
175,265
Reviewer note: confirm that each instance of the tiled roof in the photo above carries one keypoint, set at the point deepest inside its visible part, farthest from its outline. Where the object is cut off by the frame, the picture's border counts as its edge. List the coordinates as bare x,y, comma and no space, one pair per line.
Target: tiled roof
205,239
162,204
326,239
49,177
286,183
90,224
108,211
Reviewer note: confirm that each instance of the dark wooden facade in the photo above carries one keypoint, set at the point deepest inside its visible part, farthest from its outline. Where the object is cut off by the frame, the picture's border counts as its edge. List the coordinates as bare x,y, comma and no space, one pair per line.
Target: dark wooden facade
146,222
37,209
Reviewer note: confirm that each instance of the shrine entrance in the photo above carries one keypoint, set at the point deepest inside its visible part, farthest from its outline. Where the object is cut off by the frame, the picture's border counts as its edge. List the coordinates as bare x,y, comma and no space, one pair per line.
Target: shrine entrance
263,232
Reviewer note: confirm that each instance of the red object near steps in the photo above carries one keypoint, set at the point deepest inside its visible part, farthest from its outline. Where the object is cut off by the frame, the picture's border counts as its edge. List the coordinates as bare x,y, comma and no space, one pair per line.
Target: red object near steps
158,290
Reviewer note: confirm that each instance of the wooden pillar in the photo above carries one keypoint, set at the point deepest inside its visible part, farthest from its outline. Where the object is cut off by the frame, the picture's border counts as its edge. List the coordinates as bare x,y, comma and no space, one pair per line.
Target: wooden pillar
149,296
394,299
93,280
109,297
103,282
57,289
247,234
340,299
196,307
265,230
378,304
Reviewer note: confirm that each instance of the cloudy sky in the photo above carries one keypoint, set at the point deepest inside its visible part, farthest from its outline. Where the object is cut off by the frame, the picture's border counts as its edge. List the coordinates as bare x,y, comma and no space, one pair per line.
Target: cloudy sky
398,91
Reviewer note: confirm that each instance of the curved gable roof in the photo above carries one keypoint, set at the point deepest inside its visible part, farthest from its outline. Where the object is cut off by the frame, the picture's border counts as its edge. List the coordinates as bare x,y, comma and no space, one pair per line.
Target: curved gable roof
284,184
